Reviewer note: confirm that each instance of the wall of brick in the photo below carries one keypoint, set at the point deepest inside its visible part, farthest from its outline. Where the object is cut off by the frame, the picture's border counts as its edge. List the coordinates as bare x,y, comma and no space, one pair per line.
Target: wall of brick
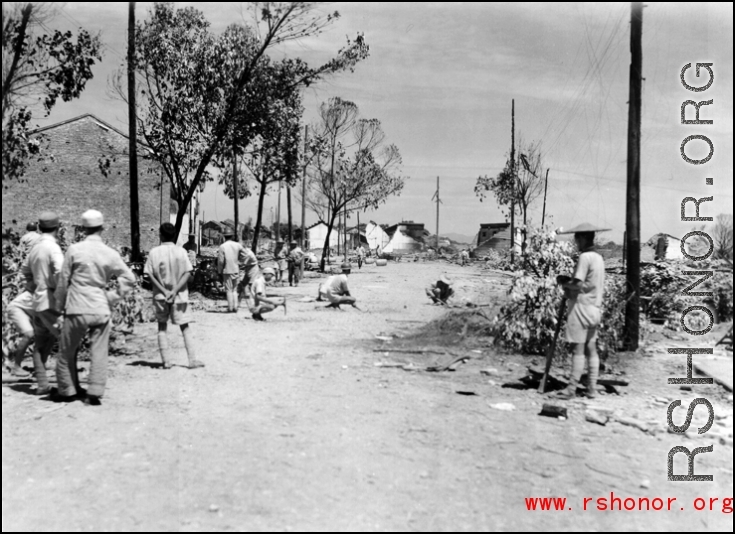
72,182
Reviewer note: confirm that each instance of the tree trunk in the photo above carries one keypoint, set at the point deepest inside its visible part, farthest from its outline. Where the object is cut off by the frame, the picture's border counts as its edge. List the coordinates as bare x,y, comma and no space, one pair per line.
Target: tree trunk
325,250
525,230
259,219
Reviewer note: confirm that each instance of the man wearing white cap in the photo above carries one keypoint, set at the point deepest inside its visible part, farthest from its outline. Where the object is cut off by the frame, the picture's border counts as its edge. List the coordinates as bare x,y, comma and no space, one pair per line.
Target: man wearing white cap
263,304
584,291
81,293
43,265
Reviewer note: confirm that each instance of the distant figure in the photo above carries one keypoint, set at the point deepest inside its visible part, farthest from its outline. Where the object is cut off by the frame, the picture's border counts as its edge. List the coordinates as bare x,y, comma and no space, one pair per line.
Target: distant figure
281,252
440,291
295,258
263,304
30,238
169,269
464,257
661,246
229,257
191,248
360,256
335,290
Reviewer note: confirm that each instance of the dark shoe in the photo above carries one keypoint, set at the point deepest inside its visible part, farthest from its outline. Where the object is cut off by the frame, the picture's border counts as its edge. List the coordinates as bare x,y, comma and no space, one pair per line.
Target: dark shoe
57,397
92,400
258,317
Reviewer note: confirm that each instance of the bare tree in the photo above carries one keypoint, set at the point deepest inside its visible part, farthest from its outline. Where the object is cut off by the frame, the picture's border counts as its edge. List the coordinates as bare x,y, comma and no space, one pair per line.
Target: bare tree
352,166
722,236
520,190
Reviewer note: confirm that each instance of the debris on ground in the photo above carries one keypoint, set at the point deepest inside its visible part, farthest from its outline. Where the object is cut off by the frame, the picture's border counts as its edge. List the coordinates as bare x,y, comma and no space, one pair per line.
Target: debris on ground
552,410
593,416
503,406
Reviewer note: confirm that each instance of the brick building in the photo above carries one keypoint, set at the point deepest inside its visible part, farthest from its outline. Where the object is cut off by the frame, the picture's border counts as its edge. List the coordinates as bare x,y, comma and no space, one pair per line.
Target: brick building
70,180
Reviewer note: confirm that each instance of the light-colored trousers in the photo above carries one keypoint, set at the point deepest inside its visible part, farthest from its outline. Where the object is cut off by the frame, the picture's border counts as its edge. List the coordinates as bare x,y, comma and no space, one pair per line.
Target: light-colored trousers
72,333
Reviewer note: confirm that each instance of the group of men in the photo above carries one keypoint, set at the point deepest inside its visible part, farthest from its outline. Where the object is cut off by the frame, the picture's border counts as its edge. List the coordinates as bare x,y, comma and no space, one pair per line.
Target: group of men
242,277
65,297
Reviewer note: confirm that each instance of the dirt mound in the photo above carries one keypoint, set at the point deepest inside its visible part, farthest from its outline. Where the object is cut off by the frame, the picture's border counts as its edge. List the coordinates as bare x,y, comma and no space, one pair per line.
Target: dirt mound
457,325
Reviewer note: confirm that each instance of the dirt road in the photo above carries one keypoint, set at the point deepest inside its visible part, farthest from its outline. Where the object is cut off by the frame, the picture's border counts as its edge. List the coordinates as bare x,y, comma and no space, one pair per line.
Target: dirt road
291,426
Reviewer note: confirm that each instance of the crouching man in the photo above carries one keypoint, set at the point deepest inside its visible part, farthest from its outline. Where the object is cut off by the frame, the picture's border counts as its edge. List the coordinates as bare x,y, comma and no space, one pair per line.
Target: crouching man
335,290
261,302
440,291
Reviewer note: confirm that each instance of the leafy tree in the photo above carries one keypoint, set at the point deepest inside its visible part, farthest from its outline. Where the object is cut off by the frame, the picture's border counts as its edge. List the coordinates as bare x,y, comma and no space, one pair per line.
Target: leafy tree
204,94
519,191
352,168
274,154
38,65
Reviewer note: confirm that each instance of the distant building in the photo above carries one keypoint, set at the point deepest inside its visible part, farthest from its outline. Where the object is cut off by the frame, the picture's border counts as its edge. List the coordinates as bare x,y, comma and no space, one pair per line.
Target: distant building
87,167
406,237
490,230
376,236
316,235
499,239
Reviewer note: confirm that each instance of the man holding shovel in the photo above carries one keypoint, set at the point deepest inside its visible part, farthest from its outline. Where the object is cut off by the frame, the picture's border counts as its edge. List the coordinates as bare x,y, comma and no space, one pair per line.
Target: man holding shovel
584,291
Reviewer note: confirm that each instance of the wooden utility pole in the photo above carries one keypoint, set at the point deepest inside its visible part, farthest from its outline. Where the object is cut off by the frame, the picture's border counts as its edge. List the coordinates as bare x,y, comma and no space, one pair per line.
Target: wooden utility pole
438,201
133,140
235,192
303,192
290,214
632,212
278,212
546,187
513,178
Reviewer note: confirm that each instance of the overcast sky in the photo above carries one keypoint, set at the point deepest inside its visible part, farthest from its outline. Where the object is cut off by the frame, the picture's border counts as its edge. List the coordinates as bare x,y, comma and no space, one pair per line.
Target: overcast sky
441,77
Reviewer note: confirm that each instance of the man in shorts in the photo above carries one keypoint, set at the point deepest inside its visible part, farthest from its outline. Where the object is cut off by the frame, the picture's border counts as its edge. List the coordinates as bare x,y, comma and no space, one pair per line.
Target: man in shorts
584,293
231,254
335,290
263,304
169,268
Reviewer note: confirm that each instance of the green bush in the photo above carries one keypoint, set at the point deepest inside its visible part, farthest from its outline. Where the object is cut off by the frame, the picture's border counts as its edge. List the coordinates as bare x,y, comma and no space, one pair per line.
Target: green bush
526,323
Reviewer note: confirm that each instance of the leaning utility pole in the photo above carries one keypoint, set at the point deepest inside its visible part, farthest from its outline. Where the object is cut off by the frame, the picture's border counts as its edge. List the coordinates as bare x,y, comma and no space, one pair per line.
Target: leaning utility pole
133,140
303,191
513,184
438,201
632,212
546,187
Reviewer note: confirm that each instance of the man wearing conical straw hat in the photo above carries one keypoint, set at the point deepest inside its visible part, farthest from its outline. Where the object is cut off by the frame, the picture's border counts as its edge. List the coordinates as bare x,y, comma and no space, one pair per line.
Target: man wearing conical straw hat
584,291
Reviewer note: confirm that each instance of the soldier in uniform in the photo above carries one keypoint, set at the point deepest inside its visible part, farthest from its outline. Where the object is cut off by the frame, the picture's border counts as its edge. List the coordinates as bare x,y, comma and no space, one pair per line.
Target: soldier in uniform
83,297
43,265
